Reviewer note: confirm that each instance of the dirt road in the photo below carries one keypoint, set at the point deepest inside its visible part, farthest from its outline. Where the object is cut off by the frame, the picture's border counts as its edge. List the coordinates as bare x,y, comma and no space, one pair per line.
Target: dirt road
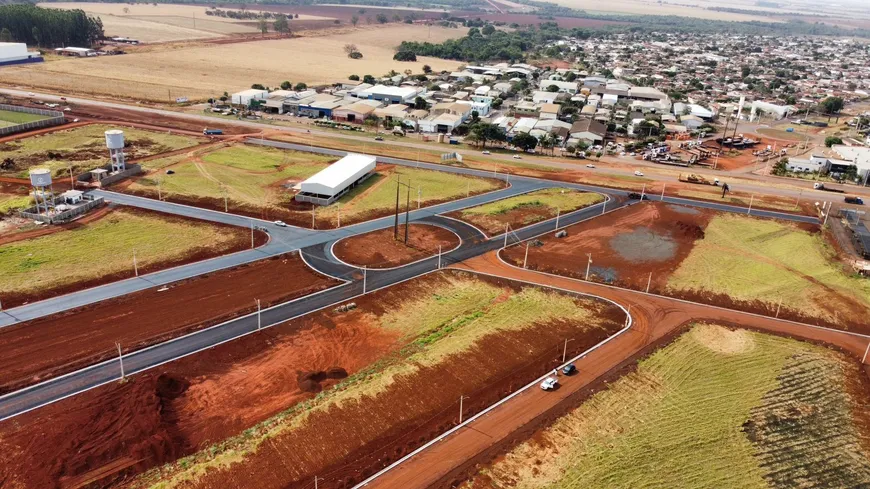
656,319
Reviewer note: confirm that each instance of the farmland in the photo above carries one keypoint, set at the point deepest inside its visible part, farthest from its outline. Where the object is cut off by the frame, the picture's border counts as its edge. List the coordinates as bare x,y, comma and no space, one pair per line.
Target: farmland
257,181
522,210
687,417
11,118
100,250
343,385
163,74
84,148
760,265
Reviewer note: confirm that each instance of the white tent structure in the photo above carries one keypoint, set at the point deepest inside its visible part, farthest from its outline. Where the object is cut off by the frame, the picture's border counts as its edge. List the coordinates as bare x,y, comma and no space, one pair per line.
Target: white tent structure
329,184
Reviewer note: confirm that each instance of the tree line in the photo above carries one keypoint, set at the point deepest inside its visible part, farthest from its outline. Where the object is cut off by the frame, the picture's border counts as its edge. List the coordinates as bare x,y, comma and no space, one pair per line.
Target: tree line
47,27
486,44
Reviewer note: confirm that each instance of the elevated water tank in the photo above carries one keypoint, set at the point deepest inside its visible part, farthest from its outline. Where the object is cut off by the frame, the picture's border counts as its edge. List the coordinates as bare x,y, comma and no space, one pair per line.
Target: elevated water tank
115,139
40,177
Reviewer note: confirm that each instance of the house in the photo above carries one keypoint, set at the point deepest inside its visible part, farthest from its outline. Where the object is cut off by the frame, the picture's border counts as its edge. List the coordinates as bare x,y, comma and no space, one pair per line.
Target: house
550,111
356,112
692,122
526,109
815,163
562,86
463,110
443,123
589,131
245,97
541,97
646,94
393,112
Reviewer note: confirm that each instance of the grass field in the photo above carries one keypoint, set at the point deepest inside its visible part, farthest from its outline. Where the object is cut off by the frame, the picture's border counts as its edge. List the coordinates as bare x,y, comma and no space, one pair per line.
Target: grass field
526,209
248,175
162,74
717,408
84,148
11,118
103,247
12,202
771,261
453,314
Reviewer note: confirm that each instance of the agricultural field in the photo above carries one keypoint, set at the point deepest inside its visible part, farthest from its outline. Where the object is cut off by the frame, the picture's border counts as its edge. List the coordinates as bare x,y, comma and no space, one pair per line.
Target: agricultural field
526,209
12,118
99,249
84,148
760,265
380,249
258,181
163,74
332,393
650,7
688,418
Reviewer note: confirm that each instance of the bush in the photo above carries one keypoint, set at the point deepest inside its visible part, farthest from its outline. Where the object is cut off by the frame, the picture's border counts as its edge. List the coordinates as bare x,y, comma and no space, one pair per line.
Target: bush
832,140
355,55
405,56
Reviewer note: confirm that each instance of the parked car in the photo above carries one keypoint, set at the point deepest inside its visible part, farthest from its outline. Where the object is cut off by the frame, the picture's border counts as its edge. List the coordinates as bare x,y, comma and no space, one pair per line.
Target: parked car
518,157
486,152
590,165
549,383
569,369
638,173
281,224
379,138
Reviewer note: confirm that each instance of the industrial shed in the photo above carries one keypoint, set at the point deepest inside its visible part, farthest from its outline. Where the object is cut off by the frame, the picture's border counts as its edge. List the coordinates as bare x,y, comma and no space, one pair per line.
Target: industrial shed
329,184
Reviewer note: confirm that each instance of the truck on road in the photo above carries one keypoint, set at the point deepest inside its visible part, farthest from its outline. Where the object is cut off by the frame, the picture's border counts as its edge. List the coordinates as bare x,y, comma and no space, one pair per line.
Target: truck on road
698,179
822,186
854,200
212,132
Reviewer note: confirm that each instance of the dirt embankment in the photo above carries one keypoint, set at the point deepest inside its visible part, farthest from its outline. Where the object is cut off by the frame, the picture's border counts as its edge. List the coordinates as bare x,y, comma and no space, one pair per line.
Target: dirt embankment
108,434
46,347
379,249
241,241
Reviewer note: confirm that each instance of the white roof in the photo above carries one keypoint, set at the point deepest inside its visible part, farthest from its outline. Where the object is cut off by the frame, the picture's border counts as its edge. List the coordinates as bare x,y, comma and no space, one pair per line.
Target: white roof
391,91
339,175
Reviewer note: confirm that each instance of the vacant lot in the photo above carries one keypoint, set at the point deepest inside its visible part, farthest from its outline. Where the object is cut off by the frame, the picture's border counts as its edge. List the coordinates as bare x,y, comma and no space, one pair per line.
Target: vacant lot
82,255
380,249
208,70
522,210
259,181
84,148
688,418
733,260
11,118
13,197
333,393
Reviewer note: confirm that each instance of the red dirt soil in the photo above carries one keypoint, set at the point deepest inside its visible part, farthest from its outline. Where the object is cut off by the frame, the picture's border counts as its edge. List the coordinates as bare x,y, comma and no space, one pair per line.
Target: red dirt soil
379,249
241,241
109,433
37,350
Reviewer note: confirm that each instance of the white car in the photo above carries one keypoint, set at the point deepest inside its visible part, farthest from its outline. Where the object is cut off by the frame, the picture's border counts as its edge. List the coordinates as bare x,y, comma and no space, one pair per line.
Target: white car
590,165
281,224
549,383
518,157
638,173
486,152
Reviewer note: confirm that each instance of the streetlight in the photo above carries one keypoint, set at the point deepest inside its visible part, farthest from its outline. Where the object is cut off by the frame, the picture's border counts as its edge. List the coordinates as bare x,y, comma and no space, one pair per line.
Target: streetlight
461,398
121,359
565,349
259,322
588,264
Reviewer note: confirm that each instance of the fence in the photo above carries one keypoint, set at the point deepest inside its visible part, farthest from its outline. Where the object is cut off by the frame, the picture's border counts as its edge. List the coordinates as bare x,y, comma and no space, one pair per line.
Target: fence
132,169
53,118
60,217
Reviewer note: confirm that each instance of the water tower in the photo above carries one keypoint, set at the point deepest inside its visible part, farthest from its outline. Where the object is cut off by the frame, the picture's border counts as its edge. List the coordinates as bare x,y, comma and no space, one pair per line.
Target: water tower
40,179
115,143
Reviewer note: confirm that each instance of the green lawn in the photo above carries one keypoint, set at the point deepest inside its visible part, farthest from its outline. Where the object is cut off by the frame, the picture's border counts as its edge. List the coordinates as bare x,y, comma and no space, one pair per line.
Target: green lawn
11,118
526,209
103,247
717,408
759,259
246,174
84,148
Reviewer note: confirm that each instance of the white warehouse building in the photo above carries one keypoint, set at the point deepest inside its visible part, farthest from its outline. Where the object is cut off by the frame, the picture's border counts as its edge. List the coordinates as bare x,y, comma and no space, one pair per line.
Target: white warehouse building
13,53
329,184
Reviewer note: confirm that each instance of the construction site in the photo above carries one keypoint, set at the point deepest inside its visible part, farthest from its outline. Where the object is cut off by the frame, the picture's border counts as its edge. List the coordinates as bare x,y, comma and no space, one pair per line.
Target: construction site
203,310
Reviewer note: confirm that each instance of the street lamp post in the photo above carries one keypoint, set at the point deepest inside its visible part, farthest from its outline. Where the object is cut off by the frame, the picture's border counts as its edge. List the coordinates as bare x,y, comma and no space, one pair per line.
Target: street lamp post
259,317
588,264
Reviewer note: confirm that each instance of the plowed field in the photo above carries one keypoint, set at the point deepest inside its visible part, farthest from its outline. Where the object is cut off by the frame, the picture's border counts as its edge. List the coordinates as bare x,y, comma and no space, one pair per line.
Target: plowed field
337,394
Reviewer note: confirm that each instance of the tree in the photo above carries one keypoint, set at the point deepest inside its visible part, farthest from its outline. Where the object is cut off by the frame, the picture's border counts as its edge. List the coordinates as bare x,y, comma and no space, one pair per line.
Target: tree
553,88
281,25
831,105
382,19
5,35
405,56
353,78
350,49
300,86
36,34
484,131
475,116
745,71
427,69
258,86
369,79
832,140
286,85
488,30
126,10
354,20
780,167
525,141
263,25
496,103
420,103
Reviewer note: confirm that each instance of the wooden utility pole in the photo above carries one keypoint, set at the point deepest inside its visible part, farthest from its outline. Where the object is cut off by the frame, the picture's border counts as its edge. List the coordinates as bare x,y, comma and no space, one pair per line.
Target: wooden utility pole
407,211
396,224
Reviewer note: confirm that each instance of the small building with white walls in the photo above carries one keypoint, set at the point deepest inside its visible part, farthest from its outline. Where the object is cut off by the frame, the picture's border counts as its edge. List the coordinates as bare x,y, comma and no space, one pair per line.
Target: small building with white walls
246,96
329,184
14,53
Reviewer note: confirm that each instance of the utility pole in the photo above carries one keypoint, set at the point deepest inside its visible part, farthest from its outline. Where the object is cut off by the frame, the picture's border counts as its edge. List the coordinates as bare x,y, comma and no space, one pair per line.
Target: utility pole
865,353
642,192
828,213
603,206
751,198
565,349
558,212
461,398
526,258
648,282
419,195
506,228
316,479
778,306
588,264
407,211
439,257
252,234
663,193
72,184
364,279
121,360
396,224
135,265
